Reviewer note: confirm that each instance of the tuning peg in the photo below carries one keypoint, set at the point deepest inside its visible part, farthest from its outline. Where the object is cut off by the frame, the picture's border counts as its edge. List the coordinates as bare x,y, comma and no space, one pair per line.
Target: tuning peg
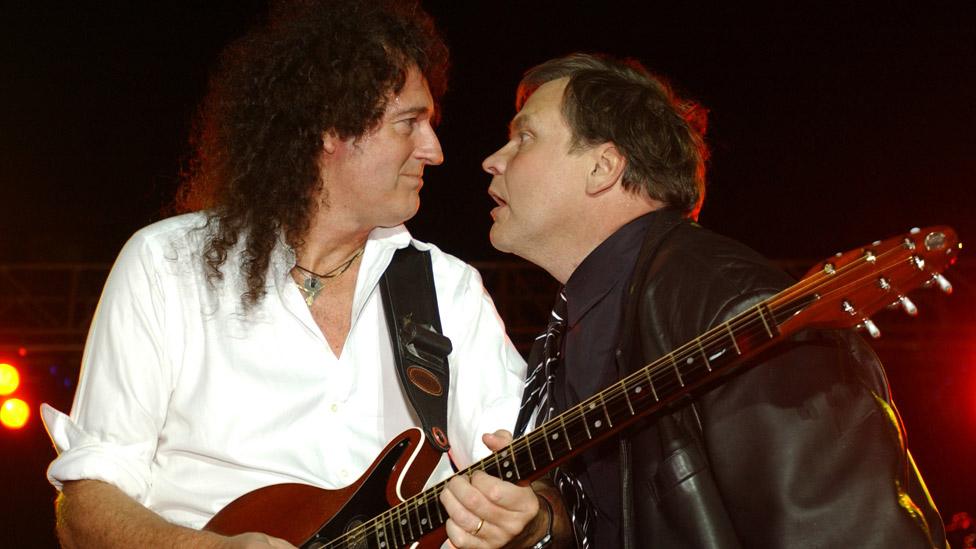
871,327
907,305
943,283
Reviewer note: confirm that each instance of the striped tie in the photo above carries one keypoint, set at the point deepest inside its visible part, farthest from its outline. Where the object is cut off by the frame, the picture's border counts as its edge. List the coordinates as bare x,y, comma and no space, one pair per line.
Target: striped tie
537,406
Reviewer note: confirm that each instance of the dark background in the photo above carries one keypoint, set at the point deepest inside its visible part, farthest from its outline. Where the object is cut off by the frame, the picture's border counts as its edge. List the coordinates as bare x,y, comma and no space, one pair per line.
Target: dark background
831,125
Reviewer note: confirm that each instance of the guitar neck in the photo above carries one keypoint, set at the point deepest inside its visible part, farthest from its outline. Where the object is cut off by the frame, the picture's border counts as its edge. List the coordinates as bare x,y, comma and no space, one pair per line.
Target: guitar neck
644,392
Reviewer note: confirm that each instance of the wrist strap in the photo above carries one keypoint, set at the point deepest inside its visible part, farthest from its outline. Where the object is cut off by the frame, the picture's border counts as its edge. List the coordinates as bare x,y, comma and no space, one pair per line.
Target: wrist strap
546,539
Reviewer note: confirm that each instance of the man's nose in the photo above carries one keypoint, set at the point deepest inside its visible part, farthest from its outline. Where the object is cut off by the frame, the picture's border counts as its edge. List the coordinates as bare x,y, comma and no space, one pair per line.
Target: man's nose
430,149
495,164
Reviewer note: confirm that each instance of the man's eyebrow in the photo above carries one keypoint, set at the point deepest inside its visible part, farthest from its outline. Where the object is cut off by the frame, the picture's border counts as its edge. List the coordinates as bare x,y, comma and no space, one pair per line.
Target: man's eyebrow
518,123
419,109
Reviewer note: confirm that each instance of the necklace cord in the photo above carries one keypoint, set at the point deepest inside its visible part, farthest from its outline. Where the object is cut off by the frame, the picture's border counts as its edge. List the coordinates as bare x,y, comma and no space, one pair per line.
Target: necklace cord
343,267
312,285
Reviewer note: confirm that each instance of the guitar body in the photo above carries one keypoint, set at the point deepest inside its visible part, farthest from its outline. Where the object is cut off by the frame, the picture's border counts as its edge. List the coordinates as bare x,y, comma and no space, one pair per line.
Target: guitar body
310,517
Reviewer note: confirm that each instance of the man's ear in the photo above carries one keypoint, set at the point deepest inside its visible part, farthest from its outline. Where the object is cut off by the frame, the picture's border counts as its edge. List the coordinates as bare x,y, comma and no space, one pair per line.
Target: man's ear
607,170
330,141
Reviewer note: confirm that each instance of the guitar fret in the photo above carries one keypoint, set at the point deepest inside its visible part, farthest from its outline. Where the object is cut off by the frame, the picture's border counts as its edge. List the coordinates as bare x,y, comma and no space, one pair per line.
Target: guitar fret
378,535
430,524
605,412
701,349
409,522
421,521
545,437
735,344
492,466
511,452
650,381
440,514
626,396
677,370
528,450
585,421
392,524
399,523
763,318
597,423
569,441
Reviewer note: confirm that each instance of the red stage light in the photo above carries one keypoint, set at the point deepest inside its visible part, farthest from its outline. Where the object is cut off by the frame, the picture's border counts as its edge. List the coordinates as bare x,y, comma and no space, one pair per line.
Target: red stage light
14,413
9,379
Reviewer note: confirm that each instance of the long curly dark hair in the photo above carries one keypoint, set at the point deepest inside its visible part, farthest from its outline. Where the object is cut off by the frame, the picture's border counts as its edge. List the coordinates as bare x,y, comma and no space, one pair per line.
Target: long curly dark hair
315,66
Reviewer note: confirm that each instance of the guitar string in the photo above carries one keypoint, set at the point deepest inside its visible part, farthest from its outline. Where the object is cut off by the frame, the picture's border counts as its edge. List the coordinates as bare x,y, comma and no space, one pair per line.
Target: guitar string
660,369
615,397
691,349
410,505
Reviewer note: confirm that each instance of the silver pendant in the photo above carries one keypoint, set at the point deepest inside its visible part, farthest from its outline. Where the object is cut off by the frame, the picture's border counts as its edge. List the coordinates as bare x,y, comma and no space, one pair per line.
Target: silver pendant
311,288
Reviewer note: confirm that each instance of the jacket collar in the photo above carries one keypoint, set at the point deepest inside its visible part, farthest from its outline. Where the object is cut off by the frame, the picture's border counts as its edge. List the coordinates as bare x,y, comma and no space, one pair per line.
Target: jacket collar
608,265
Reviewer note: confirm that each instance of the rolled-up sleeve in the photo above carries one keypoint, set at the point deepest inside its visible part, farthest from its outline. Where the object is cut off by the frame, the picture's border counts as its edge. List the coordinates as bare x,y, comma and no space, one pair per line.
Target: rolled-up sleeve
120,404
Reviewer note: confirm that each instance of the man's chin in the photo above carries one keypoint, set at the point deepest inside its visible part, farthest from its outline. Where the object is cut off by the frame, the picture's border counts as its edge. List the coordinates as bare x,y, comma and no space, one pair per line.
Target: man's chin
498,240
406,215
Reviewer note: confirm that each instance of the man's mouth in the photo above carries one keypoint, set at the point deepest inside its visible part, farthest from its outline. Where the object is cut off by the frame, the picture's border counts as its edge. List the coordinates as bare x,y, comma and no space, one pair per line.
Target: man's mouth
498,200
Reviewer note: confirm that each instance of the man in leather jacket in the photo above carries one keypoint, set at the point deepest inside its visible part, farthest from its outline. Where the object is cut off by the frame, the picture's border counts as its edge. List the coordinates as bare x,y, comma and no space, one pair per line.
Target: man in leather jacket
599,184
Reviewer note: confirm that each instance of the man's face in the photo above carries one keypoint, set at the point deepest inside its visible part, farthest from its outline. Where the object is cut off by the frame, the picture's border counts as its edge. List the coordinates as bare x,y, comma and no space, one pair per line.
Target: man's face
375,180
537,183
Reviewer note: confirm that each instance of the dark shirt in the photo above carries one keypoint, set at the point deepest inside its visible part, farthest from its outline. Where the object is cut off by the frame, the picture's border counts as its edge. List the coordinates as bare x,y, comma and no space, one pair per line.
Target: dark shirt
595,299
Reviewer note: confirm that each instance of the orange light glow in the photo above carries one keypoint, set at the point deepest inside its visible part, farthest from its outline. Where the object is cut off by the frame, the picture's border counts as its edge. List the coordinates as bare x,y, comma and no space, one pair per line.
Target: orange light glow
9,379
14,413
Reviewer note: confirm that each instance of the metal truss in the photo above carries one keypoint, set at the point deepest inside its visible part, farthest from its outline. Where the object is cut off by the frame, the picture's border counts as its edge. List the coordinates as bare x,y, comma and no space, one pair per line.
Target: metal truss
46,307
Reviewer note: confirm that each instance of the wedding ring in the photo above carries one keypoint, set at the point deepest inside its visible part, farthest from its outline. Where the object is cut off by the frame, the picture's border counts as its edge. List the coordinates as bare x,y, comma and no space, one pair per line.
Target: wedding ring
478,529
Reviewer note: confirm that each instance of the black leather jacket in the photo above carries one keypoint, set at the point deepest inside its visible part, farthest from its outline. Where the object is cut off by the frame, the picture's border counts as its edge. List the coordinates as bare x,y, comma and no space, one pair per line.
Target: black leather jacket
803,449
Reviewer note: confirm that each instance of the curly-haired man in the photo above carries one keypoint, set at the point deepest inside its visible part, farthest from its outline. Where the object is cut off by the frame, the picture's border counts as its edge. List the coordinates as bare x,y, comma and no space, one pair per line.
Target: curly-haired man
243,344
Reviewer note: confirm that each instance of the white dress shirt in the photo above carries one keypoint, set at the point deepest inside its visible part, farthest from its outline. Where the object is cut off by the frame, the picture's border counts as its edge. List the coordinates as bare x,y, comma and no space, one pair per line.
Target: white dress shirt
185,402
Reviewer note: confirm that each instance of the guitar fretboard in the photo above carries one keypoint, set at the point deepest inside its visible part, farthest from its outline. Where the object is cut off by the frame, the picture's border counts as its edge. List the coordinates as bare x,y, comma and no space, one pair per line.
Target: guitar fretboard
648,390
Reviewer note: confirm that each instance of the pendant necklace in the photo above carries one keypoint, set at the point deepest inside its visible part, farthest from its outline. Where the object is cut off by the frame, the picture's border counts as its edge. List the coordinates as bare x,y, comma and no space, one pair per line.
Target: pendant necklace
312,283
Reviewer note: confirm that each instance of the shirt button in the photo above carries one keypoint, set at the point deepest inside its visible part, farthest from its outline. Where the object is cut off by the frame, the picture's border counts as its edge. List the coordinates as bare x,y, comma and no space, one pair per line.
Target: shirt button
334,407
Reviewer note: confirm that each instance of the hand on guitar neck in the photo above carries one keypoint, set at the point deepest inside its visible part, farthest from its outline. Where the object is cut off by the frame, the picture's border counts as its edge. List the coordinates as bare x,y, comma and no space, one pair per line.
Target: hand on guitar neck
484,509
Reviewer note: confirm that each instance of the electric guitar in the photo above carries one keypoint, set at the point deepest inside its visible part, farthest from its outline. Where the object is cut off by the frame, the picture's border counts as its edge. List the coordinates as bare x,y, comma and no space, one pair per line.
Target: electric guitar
388,508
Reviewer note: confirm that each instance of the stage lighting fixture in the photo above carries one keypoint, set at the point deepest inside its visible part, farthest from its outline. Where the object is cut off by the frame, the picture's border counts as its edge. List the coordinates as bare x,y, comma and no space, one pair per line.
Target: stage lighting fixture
9,379
14,413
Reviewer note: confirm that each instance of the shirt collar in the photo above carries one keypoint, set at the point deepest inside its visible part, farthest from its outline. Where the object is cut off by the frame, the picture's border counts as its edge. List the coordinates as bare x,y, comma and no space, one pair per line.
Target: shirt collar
609,264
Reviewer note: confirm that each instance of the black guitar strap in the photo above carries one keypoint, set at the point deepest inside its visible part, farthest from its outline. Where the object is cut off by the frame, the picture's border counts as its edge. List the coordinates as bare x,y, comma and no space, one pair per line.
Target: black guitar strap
419,348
